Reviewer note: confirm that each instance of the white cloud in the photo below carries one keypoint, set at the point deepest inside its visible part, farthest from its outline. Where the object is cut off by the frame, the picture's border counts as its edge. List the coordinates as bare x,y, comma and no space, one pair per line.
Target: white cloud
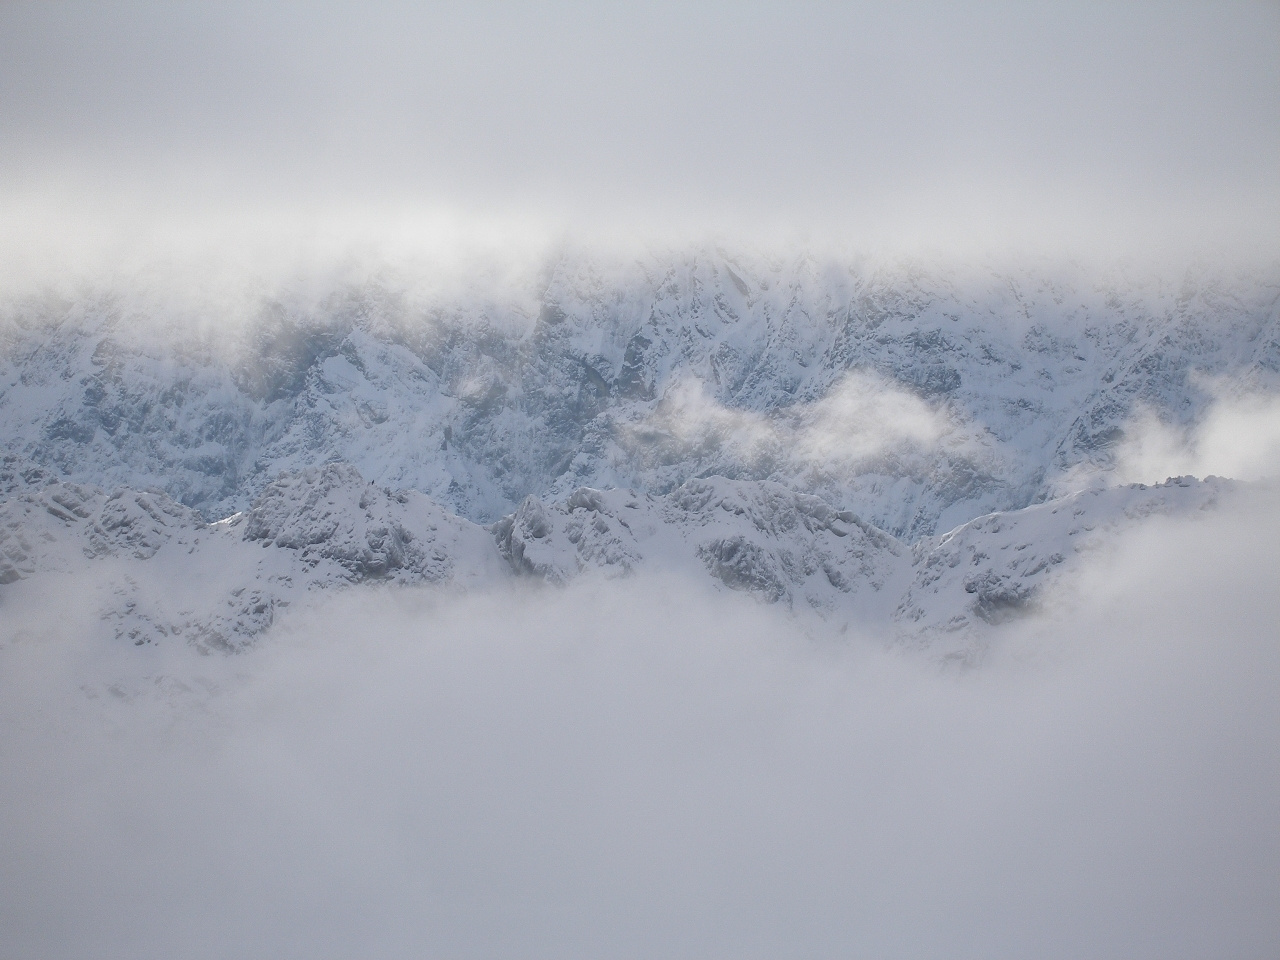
860,419
1238,437
691,414
863,417
643,768
1116,127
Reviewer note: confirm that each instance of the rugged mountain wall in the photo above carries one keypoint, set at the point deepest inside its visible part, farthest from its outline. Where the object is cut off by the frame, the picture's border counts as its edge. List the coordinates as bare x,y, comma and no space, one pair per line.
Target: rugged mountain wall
917,400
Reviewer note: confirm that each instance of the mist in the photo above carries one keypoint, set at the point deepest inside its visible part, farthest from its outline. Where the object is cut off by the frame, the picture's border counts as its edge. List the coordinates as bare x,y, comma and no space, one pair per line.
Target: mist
1238,436
649,768
1133,129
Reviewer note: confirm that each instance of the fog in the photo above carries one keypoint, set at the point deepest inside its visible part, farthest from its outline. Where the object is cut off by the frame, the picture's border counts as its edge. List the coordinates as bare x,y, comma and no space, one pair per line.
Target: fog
1097,129
642,768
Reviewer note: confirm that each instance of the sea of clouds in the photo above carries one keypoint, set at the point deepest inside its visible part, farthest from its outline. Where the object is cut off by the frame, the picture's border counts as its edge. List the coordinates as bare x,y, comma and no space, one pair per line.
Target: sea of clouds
645,768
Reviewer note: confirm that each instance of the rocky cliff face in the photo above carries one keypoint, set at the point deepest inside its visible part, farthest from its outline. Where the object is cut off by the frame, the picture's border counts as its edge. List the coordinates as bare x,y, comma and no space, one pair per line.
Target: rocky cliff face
915,400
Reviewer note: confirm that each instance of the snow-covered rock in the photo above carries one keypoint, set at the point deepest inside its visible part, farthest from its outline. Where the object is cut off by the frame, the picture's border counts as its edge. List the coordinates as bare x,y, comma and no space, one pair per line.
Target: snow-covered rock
332,513
943,593
160,571
999,568
803,431
753,536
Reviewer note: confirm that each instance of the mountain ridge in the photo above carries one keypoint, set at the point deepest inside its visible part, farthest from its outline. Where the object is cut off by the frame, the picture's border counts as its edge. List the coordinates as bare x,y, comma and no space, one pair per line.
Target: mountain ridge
914,399
162,573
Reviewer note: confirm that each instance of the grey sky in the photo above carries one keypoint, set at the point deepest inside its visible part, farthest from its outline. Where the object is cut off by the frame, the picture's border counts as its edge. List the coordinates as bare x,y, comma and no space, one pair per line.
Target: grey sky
1082,121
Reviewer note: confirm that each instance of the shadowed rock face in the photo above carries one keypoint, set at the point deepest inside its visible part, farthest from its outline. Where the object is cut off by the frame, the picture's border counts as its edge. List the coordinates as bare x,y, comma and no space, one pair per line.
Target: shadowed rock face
332,513
742,565
512,534
999,598
138,523
18,474
972,394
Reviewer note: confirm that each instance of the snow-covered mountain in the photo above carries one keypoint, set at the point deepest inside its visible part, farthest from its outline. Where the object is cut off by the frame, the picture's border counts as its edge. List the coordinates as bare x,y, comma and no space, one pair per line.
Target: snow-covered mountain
917,400
162,572
795,549
803,431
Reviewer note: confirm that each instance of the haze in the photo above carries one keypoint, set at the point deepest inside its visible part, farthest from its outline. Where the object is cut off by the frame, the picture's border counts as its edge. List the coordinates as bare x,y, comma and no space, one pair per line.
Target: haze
1081,127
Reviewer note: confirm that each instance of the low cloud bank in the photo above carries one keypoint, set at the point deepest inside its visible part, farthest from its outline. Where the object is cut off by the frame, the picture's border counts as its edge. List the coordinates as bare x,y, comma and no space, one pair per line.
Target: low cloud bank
643,769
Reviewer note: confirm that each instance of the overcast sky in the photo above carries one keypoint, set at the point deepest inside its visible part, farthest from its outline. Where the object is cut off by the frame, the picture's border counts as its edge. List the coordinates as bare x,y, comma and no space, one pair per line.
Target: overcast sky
1085,122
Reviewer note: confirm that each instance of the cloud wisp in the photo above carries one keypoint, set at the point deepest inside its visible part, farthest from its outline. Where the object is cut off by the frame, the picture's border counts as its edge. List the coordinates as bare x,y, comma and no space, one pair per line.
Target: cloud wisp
1239,437
862,418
